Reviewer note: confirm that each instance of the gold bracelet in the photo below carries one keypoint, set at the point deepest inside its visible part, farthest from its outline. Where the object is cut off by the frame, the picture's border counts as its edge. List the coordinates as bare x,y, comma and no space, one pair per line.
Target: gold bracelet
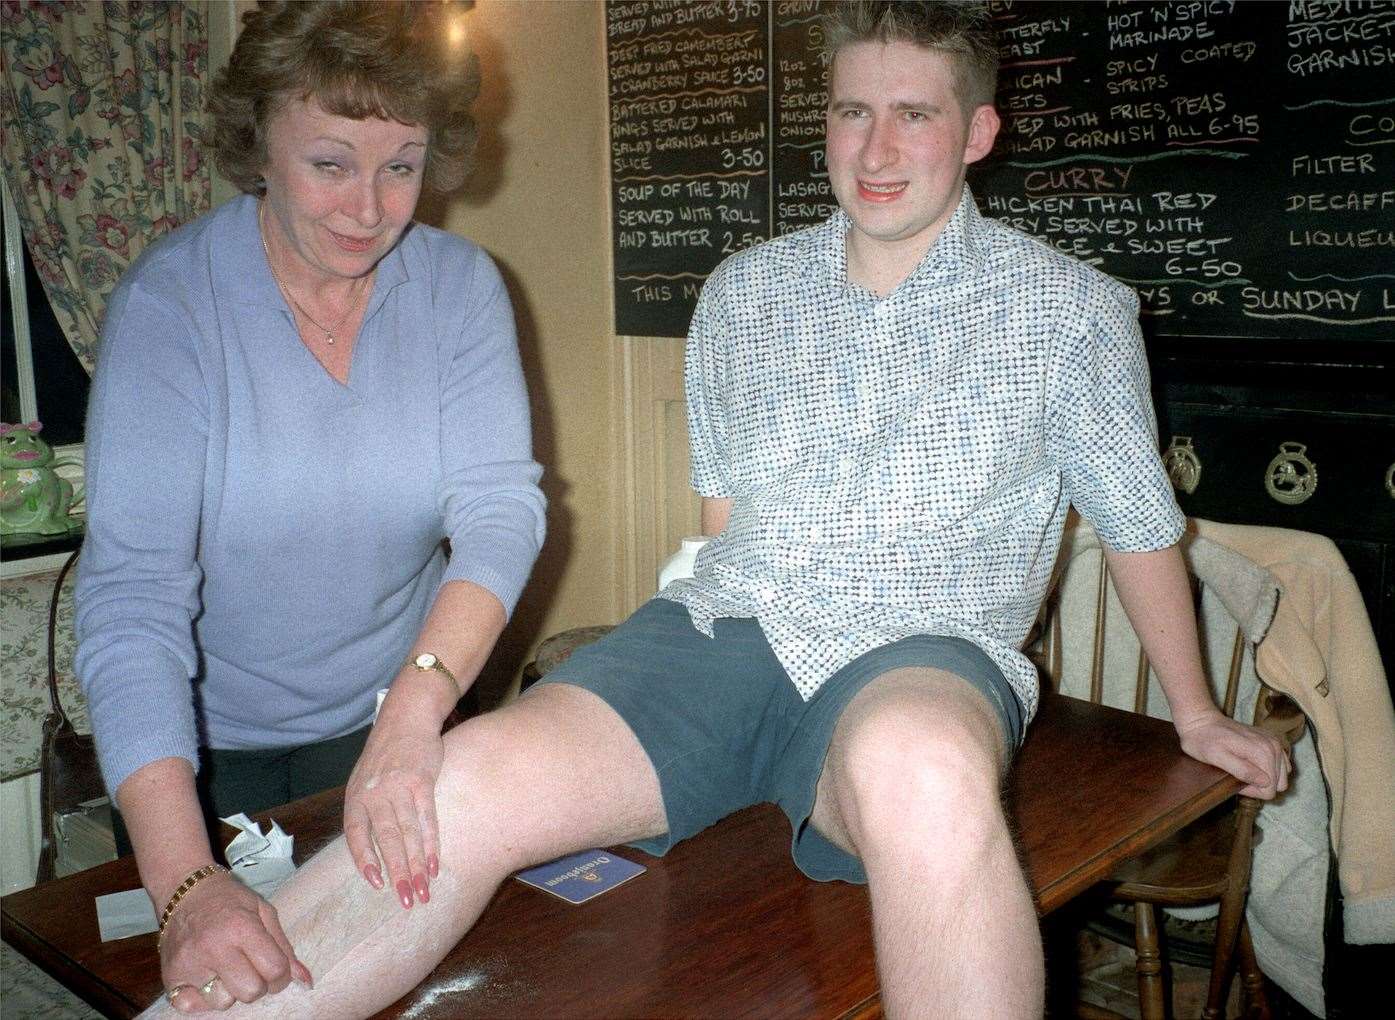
183,890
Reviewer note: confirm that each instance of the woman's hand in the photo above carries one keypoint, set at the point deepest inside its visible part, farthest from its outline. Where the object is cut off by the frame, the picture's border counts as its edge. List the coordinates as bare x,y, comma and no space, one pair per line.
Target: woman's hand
391,797
224,944
390,800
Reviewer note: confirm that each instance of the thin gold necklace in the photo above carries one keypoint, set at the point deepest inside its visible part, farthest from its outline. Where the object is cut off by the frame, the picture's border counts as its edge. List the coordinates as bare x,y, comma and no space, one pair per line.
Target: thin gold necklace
327,331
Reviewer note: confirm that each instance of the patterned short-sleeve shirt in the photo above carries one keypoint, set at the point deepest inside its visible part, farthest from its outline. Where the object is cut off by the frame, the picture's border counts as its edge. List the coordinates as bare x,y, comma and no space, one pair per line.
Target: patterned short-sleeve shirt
903,465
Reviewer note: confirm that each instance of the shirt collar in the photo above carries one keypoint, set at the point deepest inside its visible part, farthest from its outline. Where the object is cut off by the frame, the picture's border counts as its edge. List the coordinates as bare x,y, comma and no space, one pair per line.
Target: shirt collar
962,247
249,277
820,251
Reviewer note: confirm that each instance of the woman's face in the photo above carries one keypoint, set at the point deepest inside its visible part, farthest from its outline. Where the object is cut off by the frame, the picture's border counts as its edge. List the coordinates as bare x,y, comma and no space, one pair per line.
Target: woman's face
340,191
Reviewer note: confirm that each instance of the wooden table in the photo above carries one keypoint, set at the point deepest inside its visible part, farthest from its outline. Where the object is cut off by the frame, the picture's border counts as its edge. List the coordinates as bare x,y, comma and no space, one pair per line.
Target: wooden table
724,925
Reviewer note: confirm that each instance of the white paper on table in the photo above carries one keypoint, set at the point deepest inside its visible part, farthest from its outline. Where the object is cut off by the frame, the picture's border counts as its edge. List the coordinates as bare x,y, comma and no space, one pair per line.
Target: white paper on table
123,914
260,861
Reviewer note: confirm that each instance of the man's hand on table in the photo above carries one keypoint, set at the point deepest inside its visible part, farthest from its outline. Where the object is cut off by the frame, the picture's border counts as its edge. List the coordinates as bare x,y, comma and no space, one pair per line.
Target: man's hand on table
1248,753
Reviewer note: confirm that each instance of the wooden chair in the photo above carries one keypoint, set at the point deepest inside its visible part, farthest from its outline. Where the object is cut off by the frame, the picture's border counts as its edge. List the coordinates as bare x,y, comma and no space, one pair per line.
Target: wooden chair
557,649
68,771
1210,860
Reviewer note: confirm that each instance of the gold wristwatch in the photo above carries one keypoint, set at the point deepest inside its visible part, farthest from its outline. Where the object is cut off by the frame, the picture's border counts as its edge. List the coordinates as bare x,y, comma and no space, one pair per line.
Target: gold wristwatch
428,662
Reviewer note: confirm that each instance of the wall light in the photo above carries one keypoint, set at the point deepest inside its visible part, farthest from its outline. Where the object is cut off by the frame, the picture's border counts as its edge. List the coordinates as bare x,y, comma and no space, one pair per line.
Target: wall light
455,30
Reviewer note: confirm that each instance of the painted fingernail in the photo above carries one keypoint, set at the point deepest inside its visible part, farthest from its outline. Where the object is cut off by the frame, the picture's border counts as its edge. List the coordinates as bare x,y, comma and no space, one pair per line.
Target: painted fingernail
374,876
433,866
404,893
423,891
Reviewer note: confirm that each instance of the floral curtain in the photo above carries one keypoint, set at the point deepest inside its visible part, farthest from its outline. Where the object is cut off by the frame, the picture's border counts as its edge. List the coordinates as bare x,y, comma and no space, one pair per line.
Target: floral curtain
101,126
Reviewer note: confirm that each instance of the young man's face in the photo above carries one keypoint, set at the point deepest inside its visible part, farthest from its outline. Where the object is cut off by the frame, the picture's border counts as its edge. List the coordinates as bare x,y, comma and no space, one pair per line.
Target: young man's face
898,142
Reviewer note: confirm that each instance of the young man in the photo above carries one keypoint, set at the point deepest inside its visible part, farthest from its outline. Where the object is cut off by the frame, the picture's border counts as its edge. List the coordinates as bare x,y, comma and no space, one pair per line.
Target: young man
890,414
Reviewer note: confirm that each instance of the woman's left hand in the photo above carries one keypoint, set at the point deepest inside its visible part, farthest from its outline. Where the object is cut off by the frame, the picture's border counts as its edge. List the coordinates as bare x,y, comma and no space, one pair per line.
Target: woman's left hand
390,800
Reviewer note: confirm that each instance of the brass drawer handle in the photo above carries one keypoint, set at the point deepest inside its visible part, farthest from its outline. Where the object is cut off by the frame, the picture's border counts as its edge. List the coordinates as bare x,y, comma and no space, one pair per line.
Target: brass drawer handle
1182,464
1291,477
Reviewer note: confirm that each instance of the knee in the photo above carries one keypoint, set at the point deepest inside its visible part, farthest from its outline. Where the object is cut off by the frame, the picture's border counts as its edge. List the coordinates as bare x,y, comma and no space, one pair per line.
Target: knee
477,792
923,778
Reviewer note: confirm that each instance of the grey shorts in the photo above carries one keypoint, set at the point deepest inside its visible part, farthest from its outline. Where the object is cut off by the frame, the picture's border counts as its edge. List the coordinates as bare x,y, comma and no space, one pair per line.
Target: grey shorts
725,728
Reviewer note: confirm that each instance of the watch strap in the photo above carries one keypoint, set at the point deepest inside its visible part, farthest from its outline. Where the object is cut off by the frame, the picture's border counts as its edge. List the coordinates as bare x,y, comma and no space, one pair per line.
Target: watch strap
428,662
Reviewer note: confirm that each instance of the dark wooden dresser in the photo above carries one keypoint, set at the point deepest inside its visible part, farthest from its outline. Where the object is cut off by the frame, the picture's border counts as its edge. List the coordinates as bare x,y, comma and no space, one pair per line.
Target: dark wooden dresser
1326,408
1291,435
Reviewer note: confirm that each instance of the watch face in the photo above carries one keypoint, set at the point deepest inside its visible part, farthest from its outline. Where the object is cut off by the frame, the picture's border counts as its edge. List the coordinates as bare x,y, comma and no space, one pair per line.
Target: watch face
426,661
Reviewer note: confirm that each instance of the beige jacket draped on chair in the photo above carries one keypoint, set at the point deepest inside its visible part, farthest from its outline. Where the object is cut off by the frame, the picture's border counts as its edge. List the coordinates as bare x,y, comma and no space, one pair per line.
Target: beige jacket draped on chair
1293,596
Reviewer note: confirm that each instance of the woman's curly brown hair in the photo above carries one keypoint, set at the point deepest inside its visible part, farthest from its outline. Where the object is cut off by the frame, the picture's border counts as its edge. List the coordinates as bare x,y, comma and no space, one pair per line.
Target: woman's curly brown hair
392,60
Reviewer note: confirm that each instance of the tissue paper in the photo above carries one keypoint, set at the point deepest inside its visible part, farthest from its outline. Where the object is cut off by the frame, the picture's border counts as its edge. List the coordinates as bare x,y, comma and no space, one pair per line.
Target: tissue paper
261,861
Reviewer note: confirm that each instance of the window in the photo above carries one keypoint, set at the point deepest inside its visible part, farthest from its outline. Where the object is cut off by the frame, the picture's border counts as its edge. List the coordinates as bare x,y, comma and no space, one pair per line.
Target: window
40,376
52,385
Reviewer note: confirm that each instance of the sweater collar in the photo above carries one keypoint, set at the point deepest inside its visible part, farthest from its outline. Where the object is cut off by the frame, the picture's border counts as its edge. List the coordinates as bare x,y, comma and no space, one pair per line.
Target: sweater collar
248,277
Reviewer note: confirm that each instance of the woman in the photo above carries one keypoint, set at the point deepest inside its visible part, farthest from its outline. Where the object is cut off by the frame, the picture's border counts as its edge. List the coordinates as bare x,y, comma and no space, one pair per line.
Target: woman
299,397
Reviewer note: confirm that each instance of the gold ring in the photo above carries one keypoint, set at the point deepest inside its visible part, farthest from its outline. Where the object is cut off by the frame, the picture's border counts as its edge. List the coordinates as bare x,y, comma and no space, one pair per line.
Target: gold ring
207,989
173,993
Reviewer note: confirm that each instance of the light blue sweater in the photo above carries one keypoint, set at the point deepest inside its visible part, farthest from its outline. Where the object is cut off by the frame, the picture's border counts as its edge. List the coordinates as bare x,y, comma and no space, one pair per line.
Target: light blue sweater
263,543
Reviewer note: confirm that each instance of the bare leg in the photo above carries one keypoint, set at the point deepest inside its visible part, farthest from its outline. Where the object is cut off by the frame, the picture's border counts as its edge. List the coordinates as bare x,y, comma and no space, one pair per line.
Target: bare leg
364,950
911,785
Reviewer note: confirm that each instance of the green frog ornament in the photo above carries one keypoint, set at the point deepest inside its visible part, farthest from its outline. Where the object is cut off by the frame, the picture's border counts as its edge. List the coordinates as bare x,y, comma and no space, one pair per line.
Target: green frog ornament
34,500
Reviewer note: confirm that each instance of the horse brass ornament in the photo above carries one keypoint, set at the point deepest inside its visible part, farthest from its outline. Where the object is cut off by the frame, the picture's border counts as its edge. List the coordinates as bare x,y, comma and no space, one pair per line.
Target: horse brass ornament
1291,477
1182,464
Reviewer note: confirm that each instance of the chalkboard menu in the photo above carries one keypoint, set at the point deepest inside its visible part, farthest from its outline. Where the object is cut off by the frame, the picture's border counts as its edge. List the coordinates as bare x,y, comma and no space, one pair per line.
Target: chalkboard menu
799,85
689,144
1234,162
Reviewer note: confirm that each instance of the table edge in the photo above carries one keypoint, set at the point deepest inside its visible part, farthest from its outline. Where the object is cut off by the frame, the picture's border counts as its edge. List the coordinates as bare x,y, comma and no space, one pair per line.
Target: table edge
61,967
